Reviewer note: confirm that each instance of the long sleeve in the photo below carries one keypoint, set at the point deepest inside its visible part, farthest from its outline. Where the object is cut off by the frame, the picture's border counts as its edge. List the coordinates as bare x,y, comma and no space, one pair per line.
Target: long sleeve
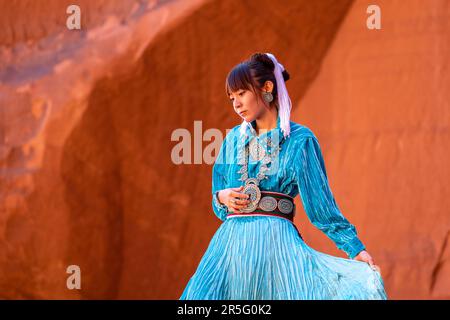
319,202
219,182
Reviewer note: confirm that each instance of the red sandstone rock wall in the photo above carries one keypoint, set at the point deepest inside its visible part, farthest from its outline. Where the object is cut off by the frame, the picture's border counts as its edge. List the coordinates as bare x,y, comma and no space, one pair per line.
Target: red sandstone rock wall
380,106
87,117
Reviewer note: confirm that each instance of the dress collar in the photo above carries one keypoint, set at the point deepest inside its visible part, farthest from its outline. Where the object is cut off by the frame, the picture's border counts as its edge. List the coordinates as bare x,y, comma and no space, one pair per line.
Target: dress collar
251,132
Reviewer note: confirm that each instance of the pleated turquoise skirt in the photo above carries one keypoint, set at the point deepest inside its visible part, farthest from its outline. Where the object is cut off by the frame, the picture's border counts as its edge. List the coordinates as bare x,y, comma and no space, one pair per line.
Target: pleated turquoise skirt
264,258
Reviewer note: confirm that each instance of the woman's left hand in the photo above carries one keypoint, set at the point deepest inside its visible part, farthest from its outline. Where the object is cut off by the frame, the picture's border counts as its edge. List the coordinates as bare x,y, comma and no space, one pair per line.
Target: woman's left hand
364,256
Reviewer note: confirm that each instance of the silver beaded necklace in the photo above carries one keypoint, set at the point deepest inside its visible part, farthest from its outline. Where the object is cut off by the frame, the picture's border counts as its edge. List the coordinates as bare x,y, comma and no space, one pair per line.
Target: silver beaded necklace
256,150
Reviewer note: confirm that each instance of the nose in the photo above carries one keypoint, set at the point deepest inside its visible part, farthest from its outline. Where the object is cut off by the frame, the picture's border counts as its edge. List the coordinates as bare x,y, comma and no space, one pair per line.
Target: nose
236,103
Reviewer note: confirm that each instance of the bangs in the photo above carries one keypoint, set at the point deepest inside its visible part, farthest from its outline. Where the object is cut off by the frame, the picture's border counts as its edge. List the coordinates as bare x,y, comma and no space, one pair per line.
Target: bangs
239,79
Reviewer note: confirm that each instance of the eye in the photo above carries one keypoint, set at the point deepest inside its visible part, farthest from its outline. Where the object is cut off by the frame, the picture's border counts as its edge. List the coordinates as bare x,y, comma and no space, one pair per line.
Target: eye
239,93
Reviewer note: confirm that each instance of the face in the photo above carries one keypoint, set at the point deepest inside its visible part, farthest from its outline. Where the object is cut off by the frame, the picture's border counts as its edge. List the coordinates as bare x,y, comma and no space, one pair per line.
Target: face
246,104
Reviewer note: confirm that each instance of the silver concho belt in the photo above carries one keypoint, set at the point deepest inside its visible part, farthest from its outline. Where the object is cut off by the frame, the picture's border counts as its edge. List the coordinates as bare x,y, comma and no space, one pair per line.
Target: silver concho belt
270,204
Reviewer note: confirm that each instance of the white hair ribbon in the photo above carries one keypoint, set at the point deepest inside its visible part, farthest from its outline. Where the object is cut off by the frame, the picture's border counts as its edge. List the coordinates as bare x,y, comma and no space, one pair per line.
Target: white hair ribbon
284,102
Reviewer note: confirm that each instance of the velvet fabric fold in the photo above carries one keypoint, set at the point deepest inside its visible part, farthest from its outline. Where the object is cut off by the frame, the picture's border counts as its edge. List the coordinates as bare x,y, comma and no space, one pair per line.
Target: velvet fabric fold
259,257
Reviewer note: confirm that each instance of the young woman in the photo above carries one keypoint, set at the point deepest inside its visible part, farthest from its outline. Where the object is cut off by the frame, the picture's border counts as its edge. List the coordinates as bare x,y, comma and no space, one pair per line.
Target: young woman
257,252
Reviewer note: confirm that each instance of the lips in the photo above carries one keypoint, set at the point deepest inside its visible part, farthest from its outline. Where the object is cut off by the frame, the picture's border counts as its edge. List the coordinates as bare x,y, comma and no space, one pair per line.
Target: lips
242,113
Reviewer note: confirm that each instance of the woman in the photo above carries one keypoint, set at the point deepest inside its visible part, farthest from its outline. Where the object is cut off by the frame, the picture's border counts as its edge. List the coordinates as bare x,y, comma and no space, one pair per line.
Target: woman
257,252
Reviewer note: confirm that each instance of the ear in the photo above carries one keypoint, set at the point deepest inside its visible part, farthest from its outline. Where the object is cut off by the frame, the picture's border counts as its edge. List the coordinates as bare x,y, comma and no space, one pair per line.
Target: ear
268,86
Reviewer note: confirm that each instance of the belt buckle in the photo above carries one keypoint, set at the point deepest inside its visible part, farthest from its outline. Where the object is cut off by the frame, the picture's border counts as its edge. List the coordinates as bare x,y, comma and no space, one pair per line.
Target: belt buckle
251,188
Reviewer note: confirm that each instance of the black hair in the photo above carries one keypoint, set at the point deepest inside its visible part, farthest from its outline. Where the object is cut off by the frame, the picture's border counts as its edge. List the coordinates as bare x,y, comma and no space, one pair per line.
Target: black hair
252,74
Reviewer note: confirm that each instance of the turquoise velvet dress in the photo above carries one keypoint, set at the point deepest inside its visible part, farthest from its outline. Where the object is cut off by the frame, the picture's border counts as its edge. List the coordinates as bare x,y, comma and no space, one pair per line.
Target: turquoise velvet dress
264,257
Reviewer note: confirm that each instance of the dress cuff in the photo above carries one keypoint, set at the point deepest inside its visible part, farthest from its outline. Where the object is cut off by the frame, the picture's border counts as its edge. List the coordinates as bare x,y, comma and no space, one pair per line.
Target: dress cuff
353,247
217,202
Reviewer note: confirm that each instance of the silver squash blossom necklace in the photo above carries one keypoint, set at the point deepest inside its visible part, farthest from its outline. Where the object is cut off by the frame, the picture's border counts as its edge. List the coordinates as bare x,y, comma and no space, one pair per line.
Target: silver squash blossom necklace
256,150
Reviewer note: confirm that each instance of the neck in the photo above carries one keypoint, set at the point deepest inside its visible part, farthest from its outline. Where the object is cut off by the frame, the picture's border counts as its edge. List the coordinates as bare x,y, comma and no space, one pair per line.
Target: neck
267,121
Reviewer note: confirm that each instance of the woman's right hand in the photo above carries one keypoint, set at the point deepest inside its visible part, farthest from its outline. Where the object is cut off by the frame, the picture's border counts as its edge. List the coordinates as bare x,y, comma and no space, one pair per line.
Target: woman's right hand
233,198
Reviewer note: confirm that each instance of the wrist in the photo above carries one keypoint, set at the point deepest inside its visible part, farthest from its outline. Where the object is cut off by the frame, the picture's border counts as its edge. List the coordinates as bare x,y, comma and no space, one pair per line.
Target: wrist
217,201
218,197
354,247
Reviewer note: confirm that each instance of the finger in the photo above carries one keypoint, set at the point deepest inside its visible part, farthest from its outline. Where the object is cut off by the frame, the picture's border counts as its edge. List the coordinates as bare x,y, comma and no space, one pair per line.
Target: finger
232,202
238,188
240,195
374,267
238,206
236,201
236,193
241,202
233,209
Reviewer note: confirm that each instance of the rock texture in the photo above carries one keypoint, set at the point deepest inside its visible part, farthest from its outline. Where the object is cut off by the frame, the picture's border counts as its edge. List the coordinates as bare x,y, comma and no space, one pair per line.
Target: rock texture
381,109
87,118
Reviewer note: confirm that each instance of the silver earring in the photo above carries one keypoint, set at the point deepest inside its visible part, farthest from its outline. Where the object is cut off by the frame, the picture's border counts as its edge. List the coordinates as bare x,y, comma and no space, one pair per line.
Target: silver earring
268,97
